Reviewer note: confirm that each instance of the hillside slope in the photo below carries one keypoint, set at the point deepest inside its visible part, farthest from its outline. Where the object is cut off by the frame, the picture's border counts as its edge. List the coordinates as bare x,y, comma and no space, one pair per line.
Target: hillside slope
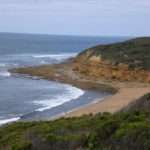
142,104
129,60
135,53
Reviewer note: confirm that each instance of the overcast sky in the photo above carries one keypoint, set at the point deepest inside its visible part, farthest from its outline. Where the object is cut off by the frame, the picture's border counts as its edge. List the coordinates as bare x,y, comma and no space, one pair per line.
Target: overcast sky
76,17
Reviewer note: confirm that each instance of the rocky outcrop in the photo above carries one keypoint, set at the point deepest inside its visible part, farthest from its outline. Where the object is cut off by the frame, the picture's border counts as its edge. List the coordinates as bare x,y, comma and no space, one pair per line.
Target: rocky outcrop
120,72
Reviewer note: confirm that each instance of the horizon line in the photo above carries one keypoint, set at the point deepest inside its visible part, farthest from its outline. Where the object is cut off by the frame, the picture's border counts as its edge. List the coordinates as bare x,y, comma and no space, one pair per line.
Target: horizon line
78,35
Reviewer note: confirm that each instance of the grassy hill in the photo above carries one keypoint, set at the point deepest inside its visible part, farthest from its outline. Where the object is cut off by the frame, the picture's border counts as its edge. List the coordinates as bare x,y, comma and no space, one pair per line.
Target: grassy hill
135,53
128,130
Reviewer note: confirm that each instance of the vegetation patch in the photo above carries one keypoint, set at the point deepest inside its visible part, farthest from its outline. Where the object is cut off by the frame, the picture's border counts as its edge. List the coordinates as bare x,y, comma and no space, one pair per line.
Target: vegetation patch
126,130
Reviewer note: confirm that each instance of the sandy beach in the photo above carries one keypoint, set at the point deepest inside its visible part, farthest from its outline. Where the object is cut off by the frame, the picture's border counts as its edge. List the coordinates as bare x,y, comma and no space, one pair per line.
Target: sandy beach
111,104
124,93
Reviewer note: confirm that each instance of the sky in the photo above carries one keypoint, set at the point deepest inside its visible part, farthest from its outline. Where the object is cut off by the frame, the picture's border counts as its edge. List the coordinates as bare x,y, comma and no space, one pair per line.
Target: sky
76,17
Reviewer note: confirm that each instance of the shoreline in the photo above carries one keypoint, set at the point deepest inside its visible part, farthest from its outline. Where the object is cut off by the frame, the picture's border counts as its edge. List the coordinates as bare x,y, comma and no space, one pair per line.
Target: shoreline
62,73
111,104
87,98
124,93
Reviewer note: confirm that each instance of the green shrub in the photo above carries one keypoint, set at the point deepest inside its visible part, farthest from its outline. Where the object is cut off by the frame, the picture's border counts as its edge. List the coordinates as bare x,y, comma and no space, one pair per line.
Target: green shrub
121,131
22,146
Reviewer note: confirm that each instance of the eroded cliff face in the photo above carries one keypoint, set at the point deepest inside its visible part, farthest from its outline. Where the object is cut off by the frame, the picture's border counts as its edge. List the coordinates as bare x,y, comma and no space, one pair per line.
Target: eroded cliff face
96,67
128,60
125,61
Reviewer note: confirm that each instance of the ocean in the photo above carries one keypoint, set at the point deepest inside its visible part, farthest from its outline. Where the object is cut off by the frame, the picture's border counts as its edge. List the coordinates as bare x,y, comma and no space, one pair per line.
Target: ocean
27,98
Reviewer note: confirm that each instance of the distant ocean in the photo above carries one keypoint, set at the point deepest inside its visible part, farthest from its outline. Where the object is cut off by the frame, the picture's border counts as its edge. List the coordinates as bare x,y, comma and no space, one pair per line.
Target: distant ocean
31,99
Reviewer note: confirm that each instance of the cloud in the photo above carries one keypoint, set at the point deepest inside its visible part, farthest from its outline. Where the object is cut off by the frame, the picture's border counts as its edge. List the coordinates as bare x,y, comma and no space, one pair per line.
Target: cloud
75,16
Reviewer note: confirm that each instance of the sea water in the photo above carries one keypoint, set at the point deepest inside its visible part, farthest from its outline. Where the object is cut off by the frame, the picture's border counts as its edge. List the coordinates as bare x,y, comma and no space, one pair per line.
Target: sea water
21,96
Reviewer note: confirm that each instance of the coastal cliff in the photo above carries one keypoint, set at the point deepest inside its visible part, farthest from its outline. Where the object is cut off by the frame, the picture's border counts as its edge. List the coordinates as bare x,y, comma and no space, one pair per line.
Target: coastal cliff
124,61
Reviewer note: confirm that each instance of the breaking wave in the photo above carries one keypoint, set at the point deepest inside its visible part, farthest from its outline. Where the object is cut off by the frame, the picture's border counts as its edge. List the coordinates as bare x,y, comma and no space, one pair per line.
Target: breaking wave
55,56
72,94
5,74
5,121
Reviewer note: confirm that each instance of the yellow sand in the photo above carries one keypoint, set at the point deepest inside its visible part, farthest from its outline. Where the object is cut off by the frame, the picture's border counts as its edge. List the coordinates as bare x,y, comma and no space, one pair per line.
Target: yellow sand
112,104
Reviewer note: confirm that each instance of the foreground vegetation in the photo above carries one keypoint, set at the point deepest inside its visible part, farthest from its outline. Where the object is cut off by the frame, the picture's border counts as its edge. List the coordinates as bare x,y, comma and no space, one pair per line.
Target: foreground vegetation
121,131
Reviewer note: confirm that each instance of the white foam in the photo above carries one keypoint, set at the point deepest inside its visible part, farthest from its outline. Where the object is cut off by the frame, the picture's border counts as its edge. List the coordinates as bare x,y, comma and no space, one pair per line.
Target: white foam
2,65
5,74
55,56
4,121
43,62
72,94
